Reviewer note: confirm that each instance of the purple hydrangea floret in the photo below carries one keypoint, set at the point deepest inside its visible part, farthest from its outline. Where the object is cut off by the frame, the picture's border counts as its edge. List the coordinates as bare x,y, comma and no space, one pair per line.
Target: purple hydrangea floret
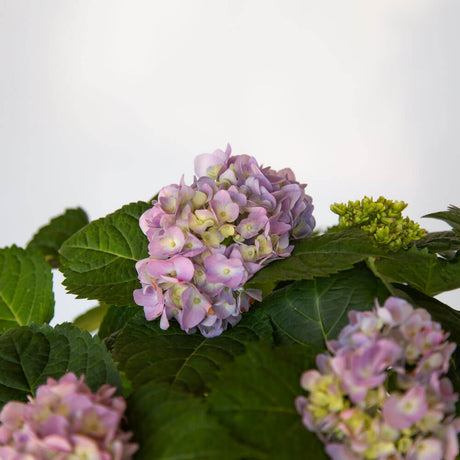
206,240
66,421
381,392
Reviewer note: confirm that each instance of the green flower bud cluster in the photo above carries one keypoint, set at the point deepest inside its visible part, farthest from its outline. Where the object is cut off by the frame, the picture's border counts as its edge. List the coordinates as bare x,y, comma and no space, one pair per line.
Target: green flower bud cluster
381,220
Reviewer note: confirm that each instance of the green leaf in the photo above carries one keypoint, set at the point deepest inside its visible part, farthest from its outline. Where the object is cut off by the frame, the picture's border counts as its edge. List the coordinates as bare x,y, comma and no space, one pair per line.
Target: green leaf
98,262
451,217
26,288
320,256
250,413
49,238
422,270
169,424
255,399
443,243
338,251
116,319
311,312
28,355
91,319
146,353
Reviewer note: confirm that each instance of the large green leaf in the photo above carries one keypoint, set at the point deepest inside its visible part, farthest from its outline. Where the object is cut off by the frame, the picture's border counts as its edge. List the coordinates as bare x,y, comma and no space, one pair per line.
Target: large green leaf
26,288
451,217
98,262
254,398
422,270
28,355
49,238
320,256
146,353
169,424
313,311
249,414
334,252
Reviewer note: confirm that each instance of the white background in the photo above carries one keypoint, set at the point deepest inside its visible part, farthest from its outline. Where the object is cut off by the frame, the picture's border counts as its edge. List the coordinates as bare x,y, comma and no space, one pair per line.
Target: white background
105,102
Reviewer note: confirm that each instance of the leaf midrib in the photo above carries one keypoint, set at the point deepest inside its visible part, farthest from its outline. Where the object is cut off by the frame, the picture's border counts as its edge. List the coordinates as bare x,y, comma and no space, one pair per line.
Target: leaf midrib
179,371
10,308
318,311
86,248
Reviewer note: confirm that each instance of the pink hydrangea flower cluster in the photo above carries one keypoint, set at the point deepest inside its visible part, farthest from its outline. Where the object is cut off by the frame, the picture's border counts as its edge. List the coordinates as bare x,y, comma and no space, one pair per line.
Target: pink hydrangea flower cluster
206,240
65,421
381,393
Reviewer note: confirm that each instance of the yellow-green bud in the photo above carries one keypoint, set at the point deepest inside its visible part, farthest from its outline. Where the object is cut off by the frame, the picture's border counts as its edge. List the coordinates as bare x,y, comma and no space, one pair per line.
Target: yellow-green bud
380,450
381,220
227,230
404,444
199,199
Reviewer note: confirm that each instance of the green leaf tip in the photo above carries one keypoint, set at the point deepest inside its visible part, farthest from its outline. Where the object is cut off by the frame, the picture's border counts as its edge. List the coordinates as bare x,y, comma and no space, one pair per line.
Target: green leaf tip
451,217
91,320
49,238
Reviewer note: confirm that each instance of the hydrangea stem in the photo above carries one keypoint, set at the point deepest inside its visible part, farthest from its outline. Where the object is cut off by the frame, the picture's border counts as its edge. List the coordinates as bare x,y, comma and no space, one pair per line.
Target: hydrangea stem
370,262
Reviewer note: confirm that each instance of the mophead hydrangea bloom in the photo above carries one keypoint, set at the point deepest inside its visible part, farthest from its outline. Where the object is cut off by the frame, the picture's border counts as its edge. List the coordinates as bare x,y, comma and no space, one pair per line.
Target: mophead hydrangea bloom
381,392
206,240
65,421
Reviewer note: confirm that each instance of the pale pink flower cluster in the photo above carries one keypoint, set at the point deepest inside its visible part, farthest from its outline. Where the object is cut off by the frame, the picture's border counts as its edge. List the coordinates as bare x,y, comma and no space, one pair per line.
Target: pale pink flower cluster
381,393
206,240
65,421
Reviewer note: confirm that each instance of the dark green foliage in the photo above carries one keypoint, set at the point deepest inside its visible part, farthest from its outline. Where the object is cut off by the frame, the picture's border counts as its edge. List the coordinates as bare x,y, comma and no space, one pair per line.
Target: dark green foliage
146,353
420,269
320,256
170,424
437,242
338,251
116,319
254,398
312,311
249,413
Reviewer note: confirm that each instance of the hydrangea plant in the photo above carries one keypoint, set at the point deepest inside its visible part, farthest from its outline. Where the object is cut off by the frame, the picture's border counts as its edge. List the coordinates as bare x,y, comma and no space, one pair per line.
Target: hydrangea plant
234,246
